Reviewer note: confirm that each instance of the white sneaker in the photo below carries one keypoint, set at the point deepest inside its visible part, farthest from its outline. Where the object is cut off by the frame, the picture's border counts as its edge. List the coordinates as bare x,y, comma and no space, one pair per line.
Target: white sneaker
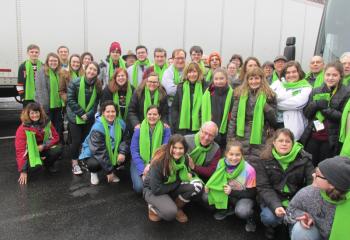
115,179
77,170
94,179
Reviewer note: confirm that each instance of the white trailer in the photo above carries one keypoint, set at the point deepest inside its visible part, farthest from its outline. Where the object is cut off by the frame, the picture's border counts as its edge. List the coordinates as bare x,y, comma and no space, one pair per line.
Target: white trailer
248,27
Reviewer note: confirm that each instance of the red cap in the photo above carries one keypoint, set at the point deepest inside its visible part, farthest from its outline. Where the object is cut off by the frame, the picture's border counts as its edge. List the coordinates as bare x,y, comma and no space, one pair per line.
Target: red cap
114,46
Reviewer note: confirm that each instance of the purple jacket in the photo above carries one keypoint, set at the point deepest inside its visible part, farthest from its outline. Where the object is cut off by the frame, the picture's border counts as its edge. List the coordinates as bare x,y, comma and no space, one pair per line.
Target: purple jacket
135,148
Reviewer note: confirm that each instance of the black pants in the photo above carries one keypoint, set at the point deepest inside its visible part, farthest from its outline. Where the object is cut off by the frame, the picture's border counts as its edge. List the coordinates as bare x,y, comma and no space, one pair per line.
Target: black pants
320,150
78,133
52,155
93,165
56,118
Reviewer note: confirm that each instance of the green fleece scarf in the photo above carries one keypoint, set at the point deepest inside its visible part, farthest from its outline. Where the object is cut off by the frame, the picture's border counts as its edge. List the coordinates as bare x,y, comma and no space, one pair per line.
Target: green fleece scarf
295,85
258,118
55,100
274,77
340,227
199,153
209,75
180,167
206,109
285,161
177,76
29,93
135,71
146,148
82,100
127,101
113,155
217,182
202,66
160,71
32,146
148,100
343,136
111,69
318,97
319,79
73,75
185,114
346,80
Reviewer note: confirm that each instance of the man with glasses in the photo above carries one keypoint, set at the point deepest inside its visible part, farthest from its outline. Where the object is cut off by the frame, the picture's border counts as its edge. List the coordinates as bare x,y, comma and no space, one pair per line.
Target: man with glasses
196,53
172,76
135,71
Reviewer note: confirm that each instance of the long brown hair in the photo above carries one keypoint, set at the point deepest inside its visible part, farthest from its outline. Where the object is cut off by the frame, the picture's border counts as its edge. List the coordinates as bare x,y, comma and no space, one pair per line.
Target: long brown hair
163,155
113,86
190,67
244,68
140,89
264,87
33,106
266,153
46,66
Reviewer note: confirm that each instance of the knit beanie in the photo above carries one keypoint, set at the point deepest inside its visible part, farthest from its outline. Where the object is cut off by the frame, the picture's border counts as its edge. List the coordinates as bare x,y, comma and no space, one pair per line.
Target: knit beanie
337,172
214,54
114,46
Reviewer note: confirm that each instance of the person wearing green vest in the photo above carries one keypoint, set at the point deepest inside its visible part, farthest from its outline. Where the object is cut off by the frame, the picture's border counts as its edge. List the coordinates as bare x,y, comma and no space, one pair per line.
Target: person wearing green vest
129,58
82,99
214,61
196,54
324,112
75,70
283,170
36,142
173,75
321,210
253,115
145,141
279,62
186,107
160,64
217,102
232,187
119,90
150,92
169,184
345,60
316,75
292,94
27,72
137,70
106,146
249,64
47,91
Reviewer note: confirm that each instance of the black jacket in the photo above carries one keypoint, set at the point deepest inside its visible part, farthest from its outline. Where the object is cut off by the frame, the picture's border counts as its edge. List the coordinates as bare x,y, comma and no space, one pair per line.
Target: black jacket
271,179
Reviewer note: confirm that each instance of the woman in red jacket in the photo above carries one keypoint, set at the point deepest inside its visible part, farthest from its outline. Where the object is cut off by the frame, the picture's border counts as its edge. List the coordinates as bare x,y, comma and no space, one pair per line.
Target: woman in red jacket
36,142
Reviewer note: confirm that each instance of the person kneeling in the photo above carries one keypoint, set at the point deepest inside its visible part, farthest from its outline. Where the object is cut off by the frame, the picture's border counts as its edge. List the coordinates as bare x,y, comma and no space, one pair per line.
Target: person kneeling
233,184
105,147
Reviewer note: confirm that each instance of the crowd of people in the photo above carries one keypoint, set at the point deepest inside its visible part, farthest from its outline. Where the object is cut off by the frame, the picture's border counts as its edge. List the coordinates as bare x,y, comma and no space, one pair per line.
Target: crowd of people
245,139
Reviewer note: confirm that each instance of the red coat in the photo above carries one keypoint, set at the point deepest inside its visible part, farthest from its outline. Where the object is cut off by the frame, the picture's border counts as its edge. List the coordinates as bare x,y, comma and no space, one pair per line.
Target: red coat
21,142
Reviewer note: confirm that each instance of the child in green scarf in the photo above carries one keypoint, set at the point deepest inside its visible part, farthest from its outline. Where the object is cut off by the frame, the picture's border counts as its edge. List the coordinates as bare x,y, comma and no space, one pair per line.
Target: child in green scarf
233,184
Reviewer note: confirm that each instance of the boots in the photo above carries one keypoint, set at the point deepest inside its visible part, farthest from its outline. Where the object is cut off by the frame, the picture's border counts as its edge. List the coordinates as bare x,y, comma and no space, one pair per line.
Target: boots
180,215
152,215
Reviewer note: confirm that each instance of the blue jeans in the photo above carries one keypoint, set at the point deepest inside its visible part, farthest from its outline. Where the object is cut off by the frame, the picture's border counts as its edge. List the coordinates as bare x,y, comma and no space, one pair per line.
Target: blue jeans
299,232
137,183
268,218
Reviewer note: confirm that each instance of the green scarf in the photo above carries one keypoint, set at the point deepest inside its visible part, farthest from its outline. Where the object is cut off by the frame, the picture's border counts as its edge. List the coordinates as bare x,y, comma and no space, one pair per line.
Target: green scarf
73,75
55,100
32,146
285,161
199,153
135,71
185,114
217,182
340,227
127,101
177,76
82,100
295,85
160,71
111,69
274,77
148,100
117,138
258,118
343,137
318,97
209,75
319,79
29,93
202,66
346,80
146,149
178,166
206,109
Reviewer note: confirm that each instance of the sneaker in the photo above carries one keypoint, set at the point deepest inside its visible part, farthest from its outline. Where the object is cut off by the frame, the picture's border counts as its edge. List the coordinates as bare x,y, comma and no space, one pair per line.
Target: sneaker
76,170
94,179
152,215
115,179
222,214
269,232
250,226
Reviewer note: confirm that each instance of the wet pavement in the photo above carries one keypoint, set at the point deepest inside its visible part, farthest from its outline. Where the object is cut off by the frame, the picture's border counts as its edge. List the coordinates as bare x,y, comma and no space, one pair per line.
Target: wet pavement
63,206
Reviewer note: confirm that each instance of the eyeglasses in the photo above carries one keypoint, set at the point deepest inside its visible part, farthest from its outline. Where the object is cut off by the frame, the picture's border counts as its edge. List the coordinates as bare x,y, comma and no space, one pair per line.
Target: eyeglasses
318,176
151,82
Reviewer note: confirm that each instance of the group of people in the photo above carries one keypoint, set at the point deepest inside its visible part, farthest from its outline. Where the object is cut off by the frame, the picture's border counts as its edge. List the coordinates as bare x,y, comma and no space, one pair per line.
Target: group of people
230,138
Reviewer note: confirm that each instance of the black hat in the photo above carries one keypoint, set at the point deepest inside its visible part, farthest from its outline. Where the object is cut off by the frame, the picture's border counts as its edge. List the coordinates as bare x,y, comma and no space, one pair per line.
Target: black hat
337,172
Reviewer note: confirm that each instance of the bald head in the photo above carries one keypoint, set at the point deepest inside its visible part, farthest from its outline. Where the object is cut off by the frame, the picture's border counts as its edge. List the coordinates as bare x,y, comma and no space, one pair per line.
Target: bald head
207,133
316,64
